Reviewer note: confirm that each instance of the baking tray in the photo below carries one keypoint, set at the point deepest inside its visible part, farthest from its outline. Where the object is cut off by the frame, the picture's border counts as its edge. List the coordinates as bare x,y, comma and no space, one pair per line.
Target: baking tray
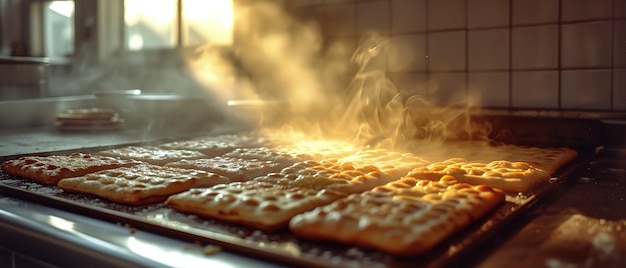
281,247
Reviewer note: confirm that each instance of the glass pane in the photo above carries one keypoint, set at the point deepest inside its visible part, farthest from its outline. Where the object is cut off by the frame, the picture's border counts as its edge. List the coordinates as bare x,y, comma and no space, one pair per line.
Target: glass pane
208,22
59,28
150,24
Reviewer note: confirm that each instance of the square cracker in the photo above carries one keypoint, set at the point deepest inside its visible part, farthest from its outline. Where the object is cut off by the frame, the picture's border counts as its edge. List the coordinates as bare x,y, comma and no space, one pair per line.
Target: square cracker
505,175
217,145
259,205
328,175
395,164
267,154
151,154
141,184
233,168
319,150
407,217
50,169
547,159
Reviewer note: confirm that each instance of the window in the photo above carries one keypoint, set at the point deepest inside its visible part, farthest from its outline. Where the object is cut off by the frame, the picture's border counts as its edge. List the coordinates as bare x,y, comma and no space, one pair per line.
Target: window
153,24
52,33
59,28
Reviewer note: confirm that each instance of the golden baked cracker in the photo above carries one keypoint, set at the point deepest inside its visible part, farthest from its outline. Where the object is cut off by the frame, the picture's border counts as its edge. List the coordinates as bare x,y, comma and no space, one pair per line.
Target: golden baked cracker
476,200
401,219
233,168
395,164
151,154
140,184
217,145
267,154
505,175
259,205
328,175
50,169
547,159
319,149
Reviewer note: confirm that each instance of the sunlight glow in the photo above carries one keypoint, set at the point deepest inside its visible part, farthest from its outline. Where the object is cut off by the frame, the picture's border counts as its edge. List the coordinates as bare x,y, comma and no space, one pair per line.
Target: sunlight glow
64,8
203,22
61,223
158,12
211,21
173,258
153,21
135,42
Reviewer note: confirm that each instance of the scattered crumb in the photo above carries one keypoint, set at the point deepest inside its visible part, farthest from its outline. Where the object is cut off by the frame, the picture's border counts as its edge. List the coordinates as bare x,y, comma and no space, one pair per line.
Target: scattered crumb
130,228
211,249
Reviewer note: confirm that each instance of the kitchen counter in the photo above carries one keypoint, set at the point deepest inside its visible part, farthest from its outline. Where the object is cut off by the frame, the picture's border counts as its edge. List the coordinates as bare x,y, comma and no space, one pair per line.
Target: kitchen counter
580,224
33,234
50,139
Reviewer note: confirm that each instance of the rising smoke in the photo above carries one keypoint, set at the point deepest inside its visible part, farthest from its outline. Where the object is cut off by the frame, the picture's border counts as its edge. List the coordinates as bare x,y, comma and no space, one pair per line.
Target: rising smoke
281,58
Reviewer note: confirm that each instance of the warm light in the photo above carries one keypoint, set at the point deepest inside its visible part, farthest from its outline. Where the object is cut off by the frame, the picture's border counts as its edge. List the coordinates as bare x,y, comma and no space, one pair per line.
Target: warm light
173,258
61,223
159,12
150,24
64,8
135,42
211,21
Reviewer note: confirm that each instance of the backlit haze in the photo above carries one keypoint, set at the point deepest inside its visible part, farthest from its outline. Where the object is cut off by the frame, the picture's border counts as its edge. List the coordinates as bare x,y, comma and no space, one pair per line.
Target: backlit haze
324,90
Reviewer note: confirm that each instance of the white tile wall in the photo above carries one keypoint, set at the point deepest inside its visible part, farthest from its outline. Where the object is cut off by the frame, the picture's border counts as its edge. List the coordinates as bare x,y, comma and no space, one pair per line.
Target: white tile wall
535,54
535,47
535,89
619,89
373,16
407,53
410,83
619,8
447,88
340,21
573,10
338,1
535,11
619,43
408,16
446,51
488,49
487,13
586,89
308,2
489,89
446,14
586,44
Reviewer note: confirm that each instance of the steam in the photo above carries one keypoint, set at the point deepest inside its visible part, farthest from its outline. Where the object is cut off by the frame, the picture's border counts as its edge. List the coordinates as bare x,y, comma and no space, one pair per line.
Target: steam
281,59
374,104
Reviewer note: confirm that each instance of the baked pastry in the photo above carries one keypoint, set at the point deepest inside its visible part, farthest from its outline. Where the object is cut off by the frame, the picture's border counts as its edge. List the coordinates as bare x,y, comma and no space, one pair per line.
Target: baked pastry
259,205
233,168
50,169
328,175
140,184
505,175
151,154
407,217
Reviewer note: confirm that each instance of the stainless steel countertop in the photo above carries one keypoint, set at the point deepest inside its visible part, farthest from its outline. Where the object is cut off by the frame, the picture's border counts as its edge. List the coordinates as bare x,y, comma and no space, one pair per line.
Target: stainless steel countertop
71,240
583,224
67,239
50,139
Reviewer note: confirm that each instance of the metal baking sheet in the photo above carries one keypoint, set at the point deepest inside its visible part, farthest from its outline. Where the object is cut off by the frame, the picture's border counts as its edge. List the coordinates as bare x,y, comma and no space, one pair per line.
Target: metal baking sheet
281,247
